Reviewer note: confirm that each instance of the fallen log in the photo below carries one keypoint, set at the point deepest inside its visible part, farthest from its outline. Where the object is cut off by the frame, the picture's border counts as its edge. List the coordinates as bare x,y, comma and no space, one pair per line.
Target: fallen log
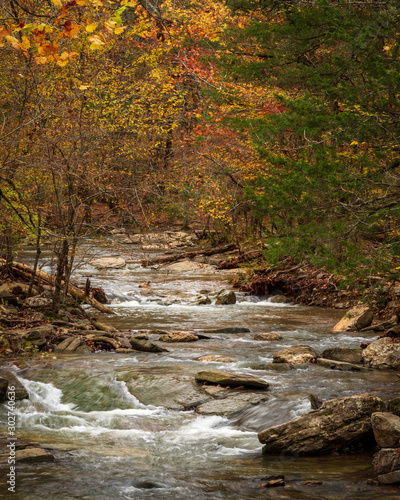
73,290
248,256
188,255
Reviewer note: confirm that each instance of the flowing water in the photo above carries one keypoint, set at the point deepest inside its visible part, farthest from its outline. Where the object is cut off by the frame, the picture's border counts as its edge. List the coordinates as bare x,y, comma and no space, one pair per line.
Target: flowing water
110,444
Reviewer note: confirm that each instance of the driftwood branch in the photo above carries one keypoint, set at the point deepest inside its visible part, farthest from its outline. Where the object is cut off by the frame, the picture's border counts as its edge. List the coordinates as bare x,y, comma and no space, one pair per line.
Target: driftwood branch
73,290
188,255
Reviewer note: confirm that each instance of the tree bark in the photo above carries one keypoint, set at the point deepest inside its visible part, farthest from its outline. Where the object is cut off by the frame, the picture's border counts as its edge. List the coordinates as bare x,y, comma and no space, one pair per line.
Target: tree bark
188,255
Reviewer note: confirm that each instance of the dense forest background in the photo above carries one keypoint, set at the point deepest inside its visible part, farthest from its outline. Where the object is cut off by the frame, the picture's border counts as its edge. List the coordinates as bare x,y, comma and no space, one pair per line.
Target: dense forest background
276,121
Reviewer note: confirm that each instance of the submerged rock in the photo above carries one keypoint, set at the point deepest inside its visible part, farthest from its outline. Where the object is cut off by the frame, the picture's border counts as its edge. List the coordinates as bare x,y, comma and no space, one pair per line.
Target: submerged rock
339,365
336,425
216,359
230,379
383,354
386,427
145,345
230,405
357,318
297,354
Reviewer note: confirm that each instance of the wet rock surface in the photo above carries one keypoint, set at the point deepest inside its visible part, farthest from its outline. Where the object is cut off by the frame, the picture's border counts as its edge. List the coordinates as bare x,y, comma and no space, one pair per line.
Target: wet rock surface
336,425
297,354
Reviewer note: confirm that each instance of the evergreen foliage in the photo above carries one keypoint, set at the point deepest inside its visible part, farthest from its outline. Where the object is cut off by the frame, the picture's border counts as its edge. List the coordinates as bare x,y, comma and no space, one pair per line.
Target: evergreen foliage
331,152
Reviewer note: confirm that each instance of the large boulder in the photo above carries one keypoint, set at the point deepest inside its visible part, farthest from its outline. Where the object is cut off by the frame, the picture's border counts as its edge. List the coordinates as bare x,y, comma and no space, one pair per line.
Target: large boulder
386,427
230,379
383,354
297,354
337,424
346,354
357,318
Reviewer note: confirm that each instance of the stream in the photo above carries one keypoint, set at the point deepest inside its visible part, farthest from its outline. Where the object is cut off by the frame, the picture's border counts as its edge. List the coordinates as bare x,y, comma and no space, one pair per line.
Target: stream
112,444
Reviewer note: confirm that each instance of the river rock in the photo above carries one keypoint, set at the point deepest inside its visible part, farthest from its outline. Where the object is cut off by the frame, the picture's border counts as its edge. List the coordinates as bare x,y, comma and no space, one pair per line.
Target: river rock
386,460
37,336
336,425
277,367
357,318
297,354
230,379
145,345
109,263
179,337
280,299
268,336
171,391
33,455
20,391
383,354
339,365
346,354
390,477
216,359
225,297
34,302
203,300
230,405
386,427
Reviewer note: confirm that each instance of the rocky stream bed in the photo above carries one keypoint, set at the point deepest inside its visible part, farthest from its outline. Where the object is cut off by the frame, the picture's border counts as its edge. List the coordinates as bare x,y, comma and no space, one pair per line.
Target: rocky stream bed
194,389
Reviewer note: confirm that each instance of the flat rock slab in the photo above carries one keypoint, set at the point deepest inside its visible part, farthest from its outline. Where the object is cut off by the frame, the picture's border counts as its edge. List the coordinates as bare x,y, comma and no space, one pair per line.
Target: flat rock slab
346,354
230,379
171,391
337,424
232,404
188,265
109,263
339,365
